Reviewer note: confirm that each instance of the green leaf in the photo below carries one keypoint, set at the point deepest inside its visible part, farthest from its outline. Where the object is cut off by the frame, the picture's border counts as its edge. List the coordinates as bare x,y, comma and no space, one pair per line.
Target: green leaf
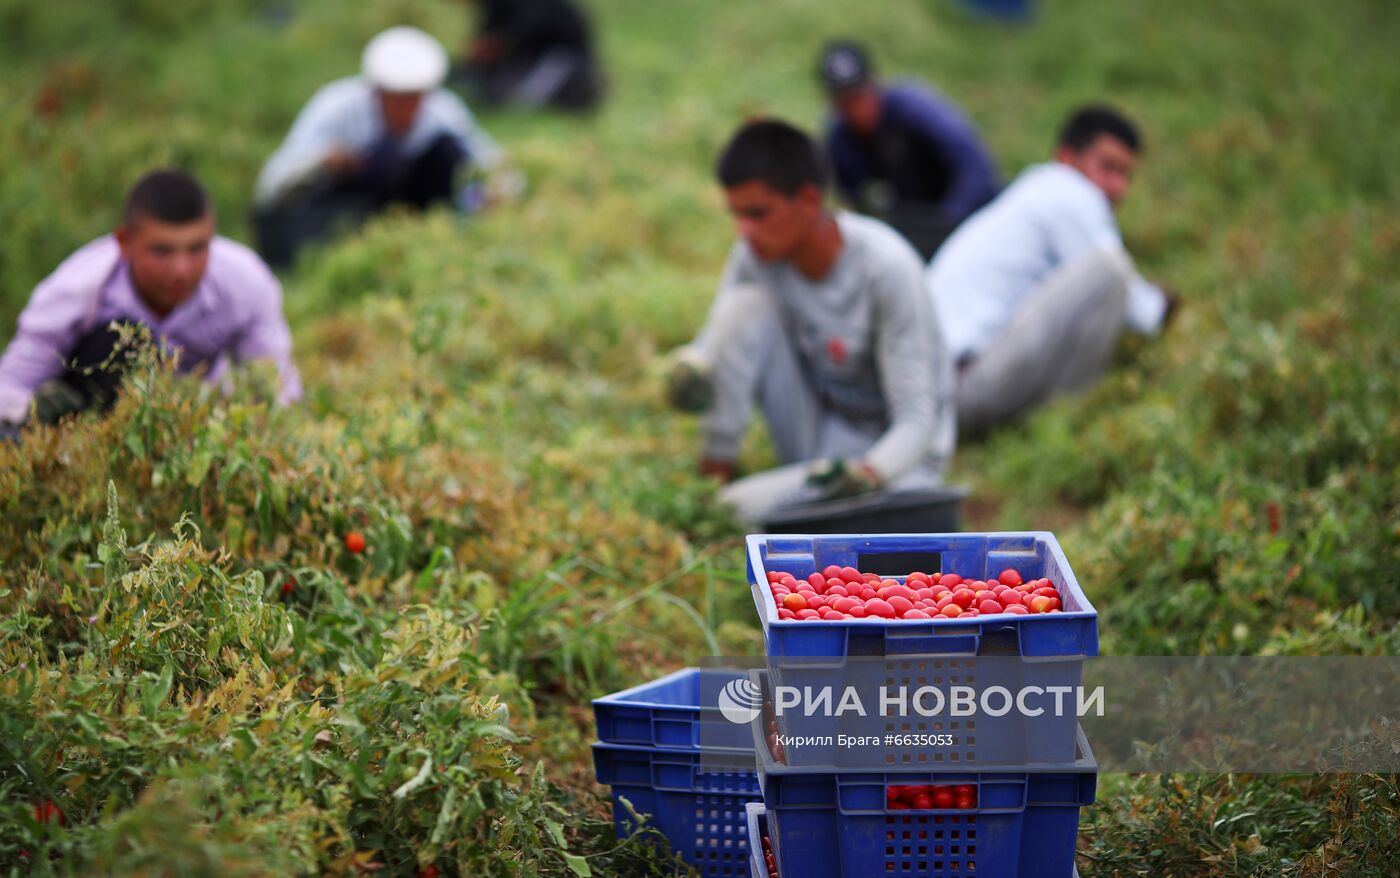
556,832
199,467
154,695
578,864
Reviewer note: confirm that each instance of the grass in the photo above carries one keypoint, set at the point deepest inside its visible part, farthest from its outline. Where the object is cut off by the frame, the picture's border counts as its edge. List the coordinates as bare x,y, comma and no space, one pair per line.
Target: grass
480,405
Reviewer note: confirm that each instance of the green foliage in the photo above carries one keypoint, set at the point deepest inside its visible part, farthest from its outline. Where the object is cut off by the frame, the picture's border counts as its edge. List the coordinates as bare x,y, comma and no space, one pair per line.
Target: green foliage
205,681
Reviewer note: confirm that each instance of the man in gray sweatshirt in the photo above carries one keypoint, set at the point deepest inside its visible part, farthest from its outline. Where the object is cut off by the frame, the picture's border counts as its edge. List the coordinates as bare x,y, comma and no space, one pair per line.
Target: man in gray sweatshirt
821,319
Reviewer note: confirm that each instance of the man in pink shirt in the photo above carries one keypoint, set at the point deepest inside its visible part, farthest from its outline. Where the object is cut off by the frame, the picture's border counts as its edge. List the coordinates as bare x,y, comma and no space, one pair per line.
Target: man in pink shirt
210,298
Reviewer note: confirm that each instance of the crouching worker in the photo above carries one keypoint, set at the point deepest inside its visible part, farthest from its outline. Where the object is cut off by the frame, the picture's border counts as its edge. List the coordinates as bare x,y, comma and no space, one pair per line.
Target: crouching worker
392,135
211,298
1034,289
821,320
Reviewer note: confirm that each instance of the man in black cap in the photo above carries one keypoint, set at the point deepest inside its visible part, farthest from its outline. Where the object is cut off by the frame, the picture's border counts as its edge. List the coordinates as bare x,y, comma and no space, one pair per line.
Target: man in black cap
901,152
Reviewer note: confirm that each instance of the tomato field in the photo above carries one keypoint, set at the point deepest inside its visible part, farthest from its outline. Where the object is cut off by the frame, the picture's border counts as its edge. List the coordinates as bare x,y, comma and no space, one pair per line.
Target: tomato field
360,635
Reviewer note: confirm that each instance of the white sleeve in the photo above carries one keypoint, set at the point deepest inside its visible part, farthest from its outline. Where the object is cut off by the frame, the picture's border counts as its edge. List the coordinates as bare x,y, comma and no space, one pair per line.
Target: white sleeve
453,115
1084,222
316,131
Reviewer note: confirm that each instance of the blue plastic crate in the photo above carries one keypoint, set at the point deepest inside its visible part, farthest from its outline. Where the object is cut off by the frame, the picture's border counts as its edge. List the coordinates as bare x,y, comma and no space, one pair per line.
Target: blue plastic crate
837,825
758,827
679,711
694,800
1043,650
1072,632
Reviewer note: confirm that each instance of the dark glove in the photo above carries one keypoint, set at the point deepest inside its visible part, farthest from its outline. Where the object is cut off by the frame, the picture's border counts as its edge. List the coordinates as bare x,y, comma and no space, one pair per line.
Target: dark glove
842,477
690,382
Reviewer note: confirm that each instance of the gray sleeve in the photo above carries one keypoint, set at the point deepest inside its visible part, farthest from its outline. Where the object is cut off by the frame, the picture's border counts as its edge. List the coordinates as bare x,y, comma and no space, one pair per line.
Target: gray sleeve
727,419
905,341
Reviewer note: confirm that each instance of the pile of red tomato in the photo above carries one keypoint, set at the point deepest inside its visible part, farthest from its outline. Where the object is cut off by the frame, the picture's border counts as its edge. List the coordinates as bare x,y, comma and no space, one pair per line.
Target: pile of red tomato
840,593
931,797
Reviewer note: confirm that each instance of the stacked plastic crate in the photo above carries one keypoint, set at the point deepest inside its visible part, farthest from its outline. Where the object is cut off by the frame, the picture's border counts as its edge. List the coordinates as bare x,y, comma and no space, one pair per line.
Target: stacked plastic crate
834,810
667,750
980,796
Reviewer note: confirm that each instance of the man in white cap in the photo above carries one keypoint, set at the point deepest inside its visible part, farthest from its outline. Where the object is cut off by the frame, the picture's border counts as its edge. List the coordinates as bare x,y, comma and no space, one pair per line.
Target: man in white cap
392,135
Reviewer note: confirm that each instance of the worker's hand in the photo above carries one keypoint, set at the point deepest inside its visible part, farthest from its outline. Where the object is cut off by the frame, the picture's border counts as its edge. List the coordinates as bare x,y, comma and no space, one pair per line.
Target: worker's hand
690,384
1173,306
341,162
843,477
723,470
486,48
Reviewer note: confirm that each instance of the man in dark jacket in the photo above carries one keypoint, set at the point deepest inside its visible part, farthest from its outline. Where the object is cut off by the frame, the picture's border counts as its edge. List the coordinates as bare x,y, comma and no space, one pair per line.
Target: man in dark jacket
533,53
901,152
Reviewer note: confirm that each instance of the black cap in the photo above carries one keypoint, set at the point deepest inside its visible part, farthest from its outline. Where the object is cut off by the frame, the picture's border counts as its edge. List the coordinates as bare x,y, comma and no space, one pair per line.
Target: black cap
844,64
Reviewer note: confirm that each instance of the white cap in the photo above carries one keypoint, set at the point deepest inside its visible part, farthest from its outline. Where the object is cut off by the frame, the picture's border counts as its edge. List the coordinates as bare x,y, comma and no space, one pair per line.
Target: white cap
405,59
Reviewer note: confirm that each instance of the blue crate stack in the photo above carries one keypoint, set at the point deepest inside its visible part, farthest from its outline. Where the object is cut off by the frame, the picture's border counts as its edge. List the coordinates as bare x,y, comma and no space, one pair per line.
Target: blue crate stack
704,782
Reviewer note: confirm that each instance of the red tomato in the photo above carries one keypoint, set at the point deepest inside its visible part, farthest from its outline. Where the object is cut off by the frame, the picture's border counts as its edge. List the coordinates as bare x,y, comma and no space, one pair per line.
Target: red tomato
795,602
1010,576
1039,604
926,594
815,601
355,542
850,574
1054,604
950,580
807,614
831,571
1009,598
1047,591
915,613
428,871
870,577
942,797
816,580
965,789
868,594
921,578
952,611
288,586
837,591
989,608
901,605
964,803
922,803
1016,609
935,578
833,583
785,613
963,597
47,812
857,612
877,607
774,576
893,791
830,615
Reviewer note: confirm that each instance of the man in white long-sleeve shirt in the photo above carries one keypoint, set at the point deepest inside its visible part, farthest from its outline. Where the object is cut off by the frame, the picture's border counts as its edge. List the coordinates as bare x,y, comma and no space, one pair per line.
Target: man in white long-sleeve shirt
390,135
1034,289
821,319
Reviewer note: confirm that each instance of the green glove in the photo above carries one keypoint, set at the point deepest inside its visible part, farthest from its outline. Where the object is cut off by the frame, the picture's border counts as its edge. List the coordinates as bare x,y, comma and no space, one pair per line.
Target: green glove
841,477
690,382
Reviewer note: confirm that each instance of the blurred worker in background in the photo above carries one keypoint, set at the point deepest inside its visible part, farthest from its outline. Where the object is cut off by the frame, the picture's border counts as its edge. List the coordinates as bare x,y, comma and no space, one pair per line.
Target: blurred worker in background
1034,290
210,298
533,53
391,135
901,152
822,321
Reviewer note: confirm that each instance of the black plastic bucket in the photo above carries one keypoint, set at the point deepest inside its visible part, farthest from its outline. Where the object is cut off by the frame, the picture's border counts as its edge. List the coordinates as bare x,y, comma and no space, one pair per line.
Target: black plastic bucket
937,510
